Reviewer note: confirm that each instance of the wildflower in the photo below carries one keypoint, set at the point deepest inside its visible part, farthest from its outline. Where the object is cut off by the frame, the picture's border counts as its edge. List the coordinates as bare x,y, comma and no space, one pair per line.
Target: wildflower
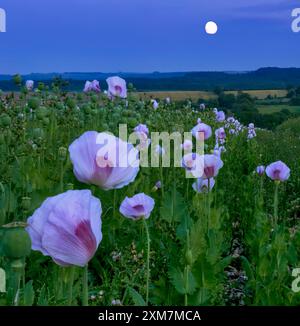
260,170
211,166
117,87
201,131
220,133
29,85
220,116
187,145
155,104
137,207
278,171
104,160
67,227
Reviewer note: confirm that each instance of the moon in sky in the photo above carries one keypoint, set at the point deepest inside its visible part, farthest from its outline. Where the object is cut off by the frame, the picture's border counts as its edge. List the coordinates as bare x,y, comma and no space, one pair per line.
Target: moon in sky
211,28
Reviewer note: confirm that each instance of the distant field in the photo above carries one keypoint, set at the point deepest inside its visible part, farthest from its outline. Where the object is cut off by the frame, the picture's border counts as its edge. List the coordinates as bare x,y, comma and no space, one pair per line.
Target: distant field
178,95
195,95
269,109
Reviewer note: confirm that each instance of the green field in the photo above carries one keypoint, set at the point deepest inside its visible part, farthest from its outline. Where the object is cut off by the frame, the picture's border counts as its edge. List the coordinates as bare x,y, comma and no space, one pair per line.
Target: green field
269,109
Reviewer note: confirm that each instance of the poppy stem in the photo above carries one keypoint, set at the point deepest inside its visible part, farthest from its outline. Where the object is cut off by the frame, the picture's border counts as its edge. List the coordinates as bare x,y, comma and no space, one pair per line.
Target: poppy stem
85,287
276,203
62,176
148,260
70,285
208,206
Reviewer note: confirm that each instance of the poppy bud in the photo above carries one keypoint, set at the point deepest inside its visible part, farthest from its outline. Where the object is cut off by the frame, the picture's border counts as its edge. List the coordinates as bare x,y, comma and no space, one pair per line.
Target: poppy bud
33,103
26,203
38,133
5,120
189,257
62,153
46,121
17,79
16,242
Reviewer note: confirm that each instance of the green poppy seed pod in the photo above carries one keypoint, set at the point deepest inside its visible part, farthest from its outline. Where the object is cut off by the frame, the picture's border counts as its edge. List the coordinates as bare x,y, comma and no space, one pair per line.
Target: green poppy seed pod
62,153
94,99
71,103
46,121
38,133
16,242
5,120
130,87
41,86
17,79
189,257
33,103
26,203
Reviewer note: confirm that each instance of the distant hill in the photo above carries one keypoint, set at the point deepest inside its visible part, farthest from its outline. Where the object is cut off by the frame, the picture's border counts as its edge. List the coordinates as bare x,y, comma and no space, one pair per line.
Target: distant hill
264,78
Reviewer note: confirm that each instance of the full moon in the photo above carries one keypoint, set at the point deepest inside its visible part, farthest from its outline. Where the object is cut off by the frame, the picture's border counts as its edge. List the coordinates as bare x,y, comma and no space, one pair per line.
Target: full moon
211,28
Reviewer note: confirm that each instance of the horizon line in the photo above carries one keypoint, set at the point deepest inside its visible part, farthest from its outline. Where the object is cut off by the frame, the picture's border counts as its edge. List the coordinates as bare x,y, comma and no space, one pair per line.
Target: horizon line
151,72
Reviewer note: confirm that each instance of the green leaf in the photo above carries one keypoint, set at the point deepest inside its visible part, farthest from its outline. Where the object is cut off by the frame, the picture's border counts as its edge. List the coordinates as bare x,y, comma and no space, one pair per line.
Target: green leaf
173,209
197,239
136,297
177,278
42,300
28,294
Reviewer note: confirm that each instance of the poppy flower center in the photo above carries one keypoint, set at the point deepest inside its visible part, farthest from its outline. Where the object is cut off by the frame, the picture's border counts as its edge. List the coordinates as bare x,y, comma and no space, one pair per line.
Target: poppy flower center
118,89
84,232
209,171
103,162
276,174
139,209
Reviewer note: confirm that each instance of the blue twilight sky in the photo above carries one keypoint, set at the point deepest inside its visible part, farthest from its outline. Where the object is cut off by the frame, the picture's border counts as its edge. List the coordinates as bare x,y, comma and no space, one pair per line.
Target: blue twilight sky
146,35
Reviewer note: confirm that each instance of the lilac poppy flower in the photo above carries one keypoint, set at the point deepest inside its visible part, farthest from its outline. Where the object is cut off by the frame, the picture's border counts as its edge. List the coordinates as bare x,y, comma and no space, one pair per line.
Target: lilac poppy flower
158,184
91,86
187,145
232,131
260,170
142,128
155,104
201,131
278,171
199,121
29,85
144,140
95,86
220,133
202,106
168,100
104,160
67,227
137,207
201,185
210,166
117,87
220,116
191,162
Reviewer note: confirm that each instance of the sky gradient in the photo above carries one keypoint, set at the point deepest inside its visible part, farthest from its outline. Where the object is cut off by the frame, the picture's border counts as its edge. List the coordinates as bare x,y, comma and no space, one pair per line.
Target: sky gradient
146,36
